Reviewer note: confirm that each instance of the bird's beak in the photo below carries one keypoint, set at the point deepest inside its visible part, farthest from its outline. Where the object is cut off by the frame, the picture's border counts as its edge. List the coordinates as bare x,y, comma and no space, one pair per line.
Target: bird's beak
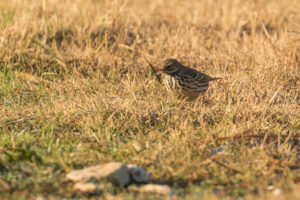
160,71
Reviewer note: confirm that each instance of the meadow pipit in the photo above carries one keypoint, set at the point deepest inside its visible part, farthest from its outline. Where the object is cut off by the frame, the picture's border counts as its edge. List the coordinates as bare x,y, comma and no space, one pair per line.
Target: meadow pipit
185,81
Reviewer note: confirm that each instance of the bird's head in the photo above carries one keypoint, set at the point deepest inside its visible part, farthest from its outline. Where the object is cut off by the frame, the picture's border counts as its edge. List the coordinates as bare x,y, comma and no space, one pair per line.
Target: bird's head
171,66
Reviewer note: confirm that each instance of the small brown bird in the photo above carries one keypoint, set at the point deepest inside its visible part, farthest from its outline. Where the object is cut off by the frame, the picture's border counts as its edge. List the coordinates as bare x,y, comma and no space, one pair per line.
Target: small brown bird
185,81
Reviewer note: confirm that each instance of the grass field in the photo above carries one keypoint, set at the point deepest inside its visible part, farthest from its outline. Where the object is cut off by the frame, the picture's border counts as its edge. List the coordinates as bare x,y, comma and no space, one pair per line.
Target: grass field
75,91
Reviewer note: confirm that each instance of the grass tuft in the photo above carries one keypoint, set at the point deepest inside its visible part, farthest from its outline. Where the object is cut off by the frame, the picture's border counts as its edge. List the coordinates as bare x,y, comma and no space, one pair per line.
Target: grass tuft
76,90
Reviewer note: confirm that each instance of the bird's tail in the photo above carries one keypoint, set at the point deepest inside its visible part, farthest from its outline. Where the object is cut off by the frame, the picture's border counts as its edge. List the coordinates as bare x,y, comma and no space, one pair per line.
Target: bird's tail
213,79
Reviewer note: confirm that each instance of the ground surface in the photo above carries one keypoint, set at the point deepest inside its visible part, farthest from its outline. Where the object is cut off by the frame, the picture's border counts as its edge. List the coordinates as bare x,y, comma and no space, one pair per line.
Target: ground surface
76,91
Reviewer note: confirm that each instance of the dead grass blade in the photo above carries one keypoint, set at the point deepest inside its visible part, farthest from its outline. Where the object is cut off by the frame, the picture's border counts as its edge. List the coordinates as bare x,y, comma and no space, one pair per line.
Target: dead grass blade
222,164
244,184
154,71
5,185
282,164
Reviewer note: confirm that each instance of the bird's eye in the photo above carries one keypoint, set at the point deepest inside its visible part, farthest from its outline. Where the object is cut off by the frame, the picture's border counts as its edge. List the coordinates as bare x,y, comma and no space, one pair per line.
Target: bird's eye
168,67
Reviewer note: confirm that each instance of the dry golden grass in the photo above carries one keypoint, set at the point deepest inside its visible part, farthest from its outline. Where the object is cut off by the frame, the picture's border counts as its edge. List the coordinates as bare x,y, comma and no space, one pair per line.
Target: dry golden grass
76,90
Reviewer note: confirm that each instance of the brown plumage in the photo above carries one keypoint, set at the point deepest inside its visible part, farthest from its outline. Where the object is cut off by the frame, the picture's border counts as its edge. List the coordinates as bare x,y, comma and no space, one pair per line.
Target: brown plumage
187,82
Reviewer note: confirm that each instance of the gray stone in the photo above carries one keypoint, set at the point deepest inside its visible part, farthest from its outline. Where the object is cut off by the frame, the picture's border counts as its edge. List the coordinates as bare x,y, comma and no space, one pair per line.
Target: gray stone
85,187
153,188
138,174
114,172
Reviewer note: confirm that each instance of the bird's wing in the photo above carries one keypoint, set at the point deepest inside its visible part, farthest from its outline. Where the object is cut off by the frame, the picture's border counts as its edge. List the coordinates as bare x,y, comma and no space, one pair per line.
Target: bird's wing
194,75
